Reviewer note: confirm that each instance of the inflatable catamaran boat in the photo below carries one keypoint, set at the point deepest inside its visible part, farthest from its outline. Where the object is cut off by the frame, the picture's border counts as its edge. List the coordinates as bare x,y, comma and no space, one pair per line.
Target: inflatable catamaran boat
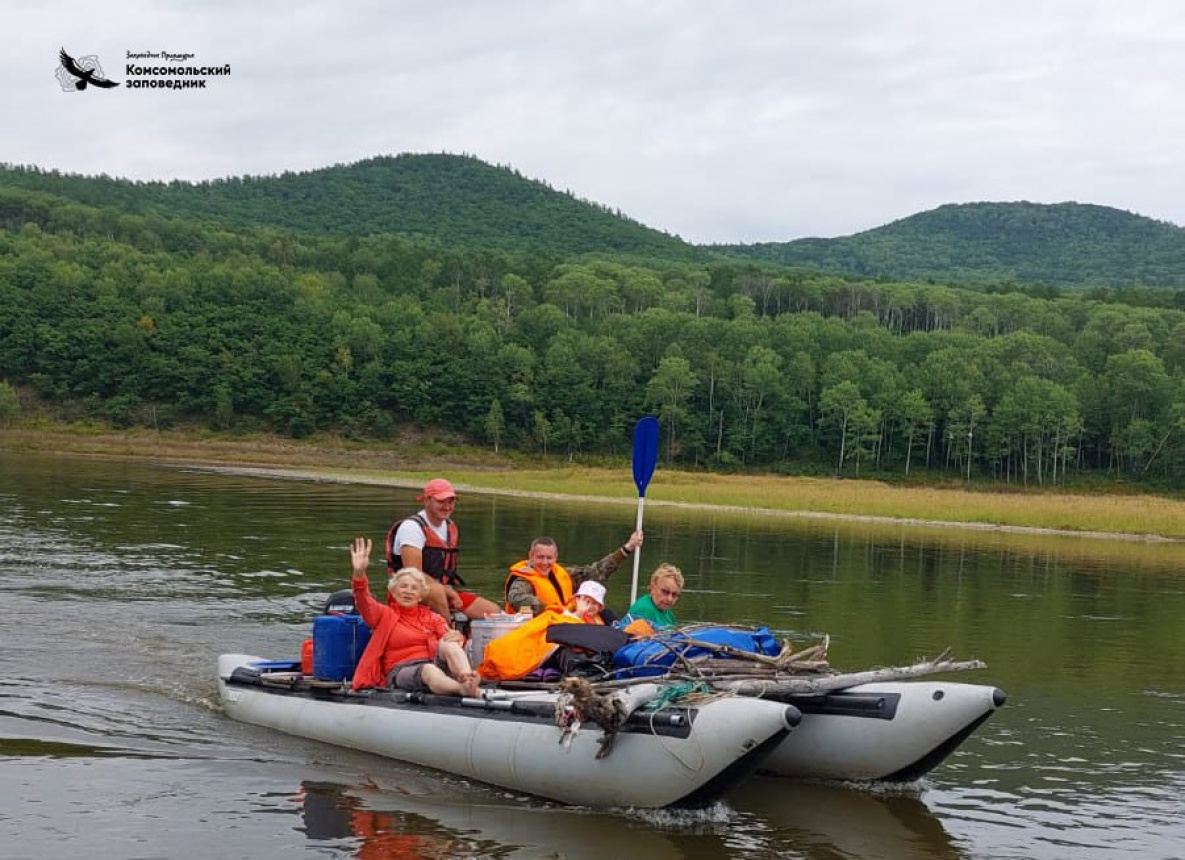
524,740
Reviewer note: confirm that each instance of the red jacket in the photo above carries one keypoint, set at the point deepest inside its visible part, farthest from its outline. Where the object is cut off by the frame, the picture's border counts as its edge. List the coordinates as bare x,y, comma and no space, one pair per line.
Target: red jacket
397,635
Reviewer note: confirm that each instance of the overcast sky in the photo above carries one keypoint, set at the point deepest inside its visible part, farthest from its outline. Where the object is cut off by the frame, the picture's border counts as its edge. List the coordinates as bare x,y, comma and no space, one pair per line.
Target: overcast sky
762,120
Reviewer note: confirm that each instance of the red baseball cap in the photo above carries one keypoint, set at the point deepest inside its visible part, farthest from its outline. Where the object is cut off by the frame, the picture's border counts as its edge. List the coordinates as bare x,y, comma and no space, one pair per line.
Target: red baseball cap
437,488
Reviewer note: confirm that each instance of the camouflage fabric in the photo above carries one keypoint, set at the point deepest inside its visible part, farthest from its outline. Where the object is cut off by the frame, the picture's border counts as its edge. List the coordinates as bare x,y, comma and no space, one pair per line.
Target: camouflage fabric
520,593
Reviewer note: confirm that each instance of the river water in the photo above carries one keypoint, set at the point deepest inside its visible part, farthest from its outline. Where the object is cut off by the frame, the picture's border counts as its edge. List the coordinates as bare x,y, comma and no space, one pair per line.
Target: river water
122,582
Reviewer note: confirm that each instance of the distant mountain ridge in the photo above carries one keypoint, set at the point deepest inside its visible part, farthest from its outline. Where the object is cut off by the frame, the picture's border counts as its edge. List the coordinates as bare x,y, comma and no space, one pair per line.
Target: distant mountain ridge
451,199
1062,244
461,201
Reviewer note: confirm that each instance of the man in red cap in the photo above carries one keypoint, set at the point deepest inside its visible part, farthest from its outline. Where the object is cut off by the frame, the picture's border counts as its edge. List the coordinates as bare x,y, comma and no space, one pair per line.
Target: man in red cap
428,541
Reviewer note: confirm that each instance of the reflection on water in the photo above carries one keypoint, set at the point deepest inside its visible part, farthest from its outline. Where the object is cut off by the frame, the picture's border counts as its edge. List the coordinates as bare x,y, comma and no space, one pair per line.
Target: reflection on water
378,821
847,821
123,582
766,818
331,814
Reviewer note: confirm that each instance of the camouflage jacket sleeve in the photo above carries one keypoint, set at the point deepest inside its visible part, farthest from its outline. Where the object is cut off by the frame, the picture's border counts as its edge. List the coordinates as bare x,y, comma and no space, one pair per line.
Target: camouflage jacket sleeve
521,595
598,571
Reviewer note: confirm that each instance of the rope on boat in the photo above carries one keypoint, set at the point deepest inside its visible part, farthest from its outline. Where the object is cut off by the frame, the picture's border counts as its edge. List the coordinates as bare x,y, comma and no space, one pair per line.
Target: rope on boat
676,692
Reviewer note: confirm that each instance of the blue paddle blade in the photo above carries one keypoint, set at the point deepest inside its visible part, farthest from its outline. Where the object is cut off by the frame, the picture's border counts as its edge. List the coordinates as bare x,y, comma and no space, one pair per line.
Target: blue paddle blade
645,451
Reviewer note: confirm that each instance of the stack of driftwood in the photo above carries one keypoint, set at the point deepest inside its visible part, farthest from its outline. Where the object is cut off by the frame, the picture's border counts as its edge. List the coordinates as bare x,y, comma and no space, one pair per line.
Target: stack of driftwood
803,672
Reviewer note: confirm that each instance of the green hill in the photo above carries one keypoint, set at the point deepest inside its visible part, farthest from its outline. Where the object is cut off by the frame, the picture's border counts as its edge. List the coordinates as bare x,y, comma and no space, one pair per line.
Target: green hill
460,202
453,200
1064,244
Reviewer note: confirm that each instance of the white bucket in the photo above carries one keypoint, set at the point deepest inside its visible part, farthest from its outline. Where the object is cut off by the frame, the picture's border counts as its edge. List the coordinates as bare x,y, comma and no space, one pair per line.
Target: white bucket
482,631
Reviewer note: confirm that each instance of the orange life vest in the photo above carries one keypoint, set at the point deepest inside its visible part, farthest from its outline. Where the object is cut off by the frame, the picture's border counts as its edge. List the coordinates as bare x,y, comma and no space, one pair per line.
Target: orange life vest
554,589
595,618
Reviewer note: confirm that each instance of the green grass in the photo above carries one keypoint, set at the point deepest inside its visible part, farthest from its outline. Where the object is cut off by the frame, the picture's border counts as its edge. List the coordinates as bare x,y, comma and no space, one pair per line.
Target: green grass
1135,514
413,460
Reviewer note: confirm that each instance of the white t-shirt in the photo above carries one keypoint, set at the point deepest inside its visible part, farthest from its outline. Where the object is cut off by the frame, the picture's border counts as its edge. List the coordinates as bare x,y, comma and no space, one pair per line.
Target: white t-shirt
410,534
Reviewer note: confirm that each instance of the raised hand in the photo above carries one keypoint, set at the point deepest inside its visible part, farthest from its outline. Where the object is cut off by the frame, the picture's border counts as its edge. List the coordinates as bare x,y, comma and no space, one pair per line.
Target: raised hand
360,556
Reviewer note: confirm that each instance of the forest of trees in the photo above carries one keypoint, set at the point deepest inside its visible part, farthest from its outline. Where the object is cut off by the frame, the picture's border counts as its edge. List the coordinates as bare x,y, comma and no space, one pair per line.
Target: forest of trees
1071,245
450,200
157,321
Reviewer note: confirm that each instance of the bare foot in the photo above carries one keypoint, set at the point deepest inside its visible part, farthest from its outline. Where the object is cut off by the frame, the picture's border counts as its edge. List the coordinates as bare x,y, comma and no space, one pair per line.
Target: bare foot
470,684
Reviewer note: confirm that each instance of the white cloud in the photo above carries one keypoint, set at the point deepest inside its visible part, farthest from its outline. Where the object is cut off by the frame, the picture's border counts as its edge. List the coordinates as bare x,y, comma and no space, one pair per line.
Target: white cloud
733,121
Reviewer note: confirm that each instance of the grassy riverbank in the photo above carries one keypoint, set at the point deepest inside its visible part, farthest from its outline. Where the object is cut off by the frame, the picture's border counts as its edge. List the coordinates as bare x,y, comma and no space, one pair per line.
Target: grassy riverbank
412,460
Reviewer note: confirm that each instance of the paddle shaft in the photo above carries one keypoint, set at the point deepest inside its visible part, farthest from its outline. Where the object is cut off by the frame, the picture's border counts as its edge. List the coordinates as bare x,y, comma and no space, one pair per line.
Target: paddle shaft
637,552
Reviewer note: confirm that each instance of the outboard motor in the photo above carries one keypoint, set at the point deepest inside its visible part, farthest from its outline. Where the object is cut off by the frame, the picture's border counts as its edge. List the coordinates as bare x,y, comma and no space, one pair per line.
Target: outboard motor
340,603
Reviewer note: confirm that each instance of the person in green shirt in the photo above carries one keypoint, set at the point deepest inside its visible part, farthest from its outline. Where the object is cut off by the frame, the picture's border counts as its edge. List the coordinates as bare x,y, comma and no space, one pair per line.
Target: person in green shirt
657,605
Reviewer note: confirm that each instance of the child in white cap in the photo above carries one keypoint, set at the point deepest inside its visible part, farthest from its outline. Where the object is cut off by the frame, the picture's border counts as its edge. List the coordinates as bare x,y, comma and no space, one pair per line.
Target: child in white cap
589,602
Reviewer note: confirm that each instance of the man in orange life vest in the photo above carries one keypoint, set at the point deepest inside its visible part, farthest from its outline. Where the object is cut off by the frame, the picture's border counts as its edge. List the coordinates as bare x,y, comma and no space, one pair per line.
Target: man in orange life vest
428,541
540,582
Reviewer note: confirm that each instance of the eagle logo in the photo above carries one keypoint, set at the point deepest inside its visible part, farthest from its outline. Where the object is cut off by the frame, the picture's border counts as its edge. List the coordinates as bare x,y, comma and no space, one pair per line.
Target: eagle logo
79,74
